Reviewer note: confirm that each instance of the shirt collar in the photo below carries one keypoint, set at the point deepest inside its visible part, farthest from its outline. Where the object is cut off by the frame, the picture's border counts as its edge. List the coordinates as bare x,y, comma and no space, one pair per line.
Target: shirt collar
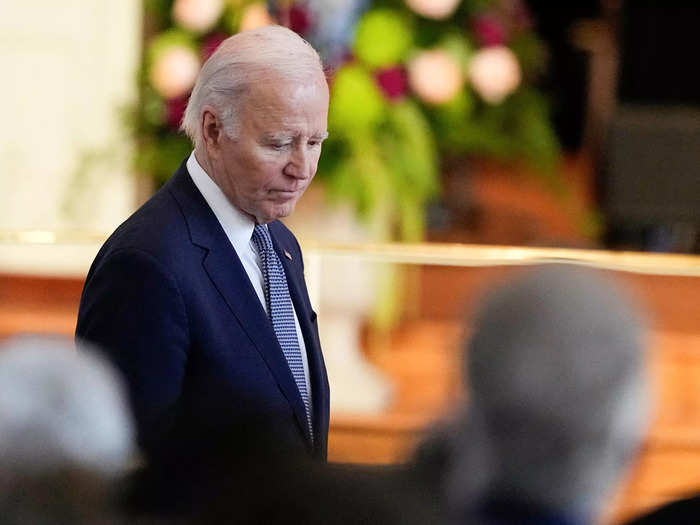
237,225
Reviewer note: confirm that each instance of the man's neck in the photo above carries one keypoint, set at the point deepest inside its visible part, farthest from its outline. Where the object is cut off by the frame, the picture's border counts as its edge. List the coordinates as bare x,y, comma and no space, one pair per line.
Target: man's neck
203,161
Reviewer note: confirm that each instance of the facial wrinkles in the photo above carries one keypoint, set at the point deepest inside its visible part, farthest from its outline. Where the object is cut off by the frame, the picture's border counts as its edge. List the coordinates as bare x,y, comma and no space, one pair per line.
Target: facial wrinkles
294,135
281,123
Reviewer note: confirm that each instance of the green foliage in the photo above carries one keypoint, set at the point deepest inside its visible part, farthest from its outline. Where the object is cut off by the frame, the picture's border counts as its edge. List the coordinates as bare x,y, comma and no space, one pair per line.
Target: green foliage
152,110
391,172
531,54
476,6
162,155
518,128
409,148
383,37
346,116
533,133
159,10
385,143
458,46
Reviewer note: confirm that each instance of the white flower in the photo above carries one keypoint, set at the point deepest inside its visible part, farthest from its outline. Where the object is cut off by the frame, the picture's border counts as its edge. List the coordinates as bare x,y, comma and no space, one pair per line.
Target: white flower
174,72
254,16
495,73
435,9
435,76
197,15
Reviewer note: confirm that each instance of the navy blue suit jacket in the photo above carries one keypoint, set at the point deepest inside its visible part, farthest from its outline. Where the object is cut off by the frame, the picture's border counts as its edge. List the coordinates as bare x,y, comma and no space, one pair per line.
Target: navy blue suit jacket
169,301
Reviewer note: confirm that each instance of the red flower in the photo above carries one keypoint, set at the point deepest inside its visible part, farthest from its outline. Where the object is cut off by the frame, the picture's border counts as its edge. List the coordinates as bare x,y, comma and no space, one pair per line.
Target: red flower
210,43
392,82
489,30
300,18
175,110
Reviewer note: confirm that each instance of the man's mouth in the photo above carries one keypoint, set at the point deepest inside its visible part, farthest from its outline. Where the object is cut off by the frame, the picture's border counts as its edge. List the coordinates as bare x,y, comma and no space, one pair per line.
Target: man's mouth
284,194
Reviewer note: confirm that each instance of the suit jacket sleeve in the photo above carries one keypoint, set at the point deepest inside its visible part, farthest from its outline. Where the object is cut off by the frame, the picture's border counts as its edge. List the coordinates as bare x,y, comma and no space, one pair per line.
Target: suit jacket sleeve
132,308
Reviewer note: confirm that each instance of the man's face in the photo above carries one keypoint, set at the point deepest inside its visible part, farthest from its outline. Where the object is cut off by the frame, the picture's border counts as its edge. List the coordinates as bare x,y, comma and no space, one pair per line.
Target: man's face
265,170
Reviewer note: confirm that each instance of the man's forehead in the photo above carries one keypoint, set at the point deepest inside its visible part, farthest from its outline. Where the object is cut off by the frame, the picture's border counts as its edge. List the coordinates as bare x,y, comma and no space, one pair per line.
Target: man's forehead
291,76
286,108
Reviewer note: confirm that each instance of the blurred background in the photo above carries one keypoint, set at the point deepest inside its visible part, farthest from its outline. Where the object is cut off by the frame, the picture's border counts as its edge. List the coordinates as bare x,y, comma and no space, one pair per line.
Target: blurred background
483,121
488,123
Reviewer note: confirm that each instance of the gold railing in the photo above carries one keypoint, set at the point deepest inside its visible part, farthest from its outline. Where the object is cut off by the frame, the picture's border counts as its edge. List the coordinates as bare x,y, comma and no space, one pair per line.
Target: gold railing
433,253
490,255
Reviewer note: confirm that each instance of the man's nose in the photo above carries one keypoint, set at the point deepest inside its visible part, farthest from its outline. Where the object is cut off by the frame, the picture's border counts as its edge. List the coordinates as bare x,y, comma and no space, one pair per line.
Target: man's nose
298,164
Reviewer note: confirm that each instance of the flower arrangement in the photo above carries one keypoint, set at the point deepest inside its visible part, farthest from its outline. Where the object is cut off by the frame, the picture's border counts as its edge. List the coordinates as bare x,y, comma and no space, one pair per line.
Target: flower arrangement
411,82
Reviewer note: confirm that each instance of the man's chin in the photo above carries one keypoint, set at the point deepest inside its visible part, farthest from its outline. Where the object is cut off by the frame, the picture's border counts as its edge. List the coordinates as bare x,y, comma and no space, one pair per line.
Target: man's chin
276,212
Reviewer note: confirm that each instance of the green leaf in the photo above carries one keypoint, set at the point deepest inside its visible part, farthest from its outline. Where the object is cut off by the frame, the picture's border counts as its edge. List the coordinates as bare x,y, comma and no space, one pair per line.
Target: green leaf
383,37
161,156
531,53
346,115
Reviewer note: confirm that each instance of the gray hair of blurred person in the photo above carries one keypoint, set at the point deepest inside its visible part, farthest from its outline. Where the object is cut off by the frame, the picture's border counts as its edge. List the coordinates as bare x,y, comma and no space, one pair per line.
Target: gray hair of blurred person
61,408
557,394
237,64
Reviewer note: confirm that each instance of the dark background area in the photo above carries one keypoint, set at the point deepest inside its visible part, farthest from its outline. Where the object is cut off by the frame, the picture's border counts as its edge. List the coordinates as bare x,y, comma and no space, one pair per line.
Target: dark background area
567,72
648,159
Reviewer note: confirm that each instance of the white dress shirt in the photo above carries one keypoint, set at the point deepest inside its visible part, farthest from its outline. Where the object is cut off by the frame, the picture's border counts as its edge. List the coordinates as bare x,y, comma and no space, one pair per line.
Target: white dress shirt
239,229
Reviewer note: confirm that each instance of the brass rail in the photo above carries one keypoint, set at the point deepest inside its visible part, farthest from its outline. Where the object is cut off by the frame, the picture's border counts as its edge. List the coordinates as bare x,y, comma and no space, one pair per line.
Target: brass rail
435,253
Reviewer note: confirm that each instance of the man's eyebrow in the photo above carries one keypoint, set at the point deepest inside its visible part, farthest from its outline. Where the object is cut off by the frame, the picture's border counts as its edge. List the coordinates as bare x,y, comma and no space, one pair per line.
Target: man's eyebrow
271,137
277,136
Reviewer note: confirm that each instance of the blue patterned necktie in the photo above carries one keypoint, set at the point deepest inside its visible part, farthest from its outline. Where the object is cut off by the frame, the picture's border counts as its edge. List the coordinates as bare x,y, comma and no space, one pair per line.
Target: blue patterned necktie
281,312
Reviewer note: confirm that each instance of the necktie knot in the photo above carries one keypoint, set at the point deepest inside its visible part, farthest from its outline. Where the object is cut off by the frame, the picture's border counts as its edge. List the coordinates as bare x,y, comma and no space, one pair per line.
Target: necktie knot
261,238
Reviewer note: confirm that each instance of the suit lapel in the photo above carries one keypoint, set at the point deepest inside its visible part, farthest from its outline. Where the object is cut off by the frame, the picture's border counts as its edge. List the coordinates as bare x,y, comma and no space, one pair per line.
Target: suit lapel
224,268
228,275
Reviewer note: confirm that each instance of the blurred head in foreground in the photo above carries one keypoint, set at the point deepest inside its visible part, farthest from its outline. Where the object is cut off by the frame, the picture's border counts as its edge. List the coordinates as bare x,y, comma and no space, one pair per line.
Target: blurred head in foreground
557,398
65,432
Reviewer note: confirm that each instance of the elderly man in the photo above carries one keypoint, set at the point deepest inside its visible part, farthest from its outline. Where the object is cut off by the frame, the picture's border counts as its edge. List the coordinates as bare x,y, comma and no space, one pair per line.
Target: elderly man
558,403
199,297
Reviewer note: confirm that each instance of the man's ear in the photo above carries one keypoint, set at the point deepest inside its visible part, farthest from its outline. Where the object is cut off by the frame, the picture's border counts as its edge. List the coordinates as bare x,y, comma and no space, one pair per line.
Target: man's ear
212,129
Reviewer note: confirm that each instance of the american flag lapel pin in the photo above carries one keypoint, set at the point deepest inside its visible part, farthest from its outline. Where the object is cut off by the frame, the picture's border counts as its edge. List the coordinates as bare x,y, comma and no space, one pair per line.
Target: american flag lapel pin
288,255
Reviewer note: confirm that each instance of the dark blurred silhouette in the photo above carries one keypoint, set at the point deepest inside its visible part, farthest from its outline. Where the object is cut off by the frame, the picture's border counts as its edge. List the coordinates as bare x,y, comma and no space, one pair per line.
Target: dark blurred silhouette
557,404
682,512
655,42
565,79
247,475
65,434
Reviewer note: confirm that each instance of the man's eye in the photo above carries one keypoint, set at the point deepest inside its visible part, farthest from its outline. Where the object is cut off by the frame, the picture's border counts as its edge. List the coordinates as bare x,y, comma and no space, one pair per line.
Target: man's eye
280,145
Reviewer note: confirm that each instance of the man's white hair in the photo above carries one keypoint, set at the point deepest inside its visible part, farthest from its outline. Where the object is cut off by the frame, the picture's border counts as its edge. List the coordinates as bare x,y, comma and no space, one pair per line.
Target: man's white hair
61,409
241,61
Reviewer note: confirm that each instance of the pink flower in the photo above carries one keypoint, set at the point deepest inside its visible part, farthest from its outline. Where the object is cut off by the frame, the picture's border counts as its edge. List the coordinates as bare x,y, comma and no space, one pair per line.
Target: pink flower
392,82
211,43
489,30
174,71
174,111
197,15
435,76
494,73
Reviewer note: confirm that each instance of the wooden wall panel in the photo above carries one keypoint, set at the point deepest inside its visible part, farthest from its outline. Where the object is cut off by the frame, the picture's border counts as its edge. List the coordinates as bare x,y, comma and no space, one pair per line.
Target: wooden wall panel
30,304
423,358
